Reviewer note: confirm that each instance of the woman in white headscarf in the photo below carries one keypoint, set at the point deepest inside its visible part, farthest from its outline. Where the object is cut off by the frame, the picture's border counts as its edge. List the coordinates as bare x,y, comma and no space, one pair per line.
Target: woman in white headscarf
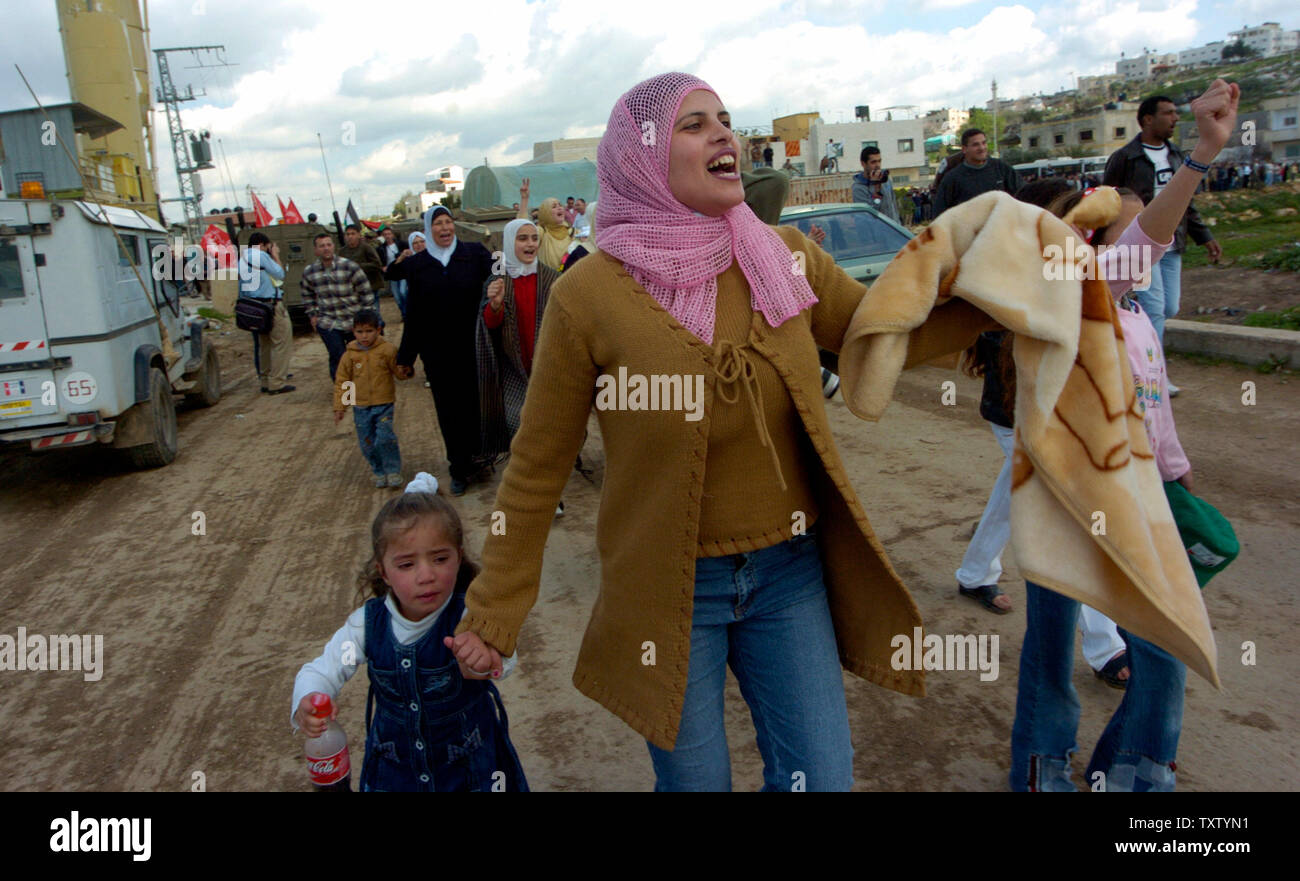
509,323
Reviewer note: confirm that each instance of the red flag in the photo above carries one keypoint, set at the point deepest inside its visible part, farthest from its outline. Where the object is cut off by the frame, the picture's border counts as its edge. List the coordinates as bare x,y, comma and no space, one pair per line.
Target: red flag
262,216
281,201
293,215
217,244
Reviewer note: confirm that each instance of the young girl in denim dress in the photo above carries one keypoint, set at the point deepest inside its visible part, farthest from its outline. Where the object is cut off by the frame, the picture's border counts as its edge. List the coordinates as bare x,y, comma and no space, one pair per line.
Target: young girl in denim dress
434,720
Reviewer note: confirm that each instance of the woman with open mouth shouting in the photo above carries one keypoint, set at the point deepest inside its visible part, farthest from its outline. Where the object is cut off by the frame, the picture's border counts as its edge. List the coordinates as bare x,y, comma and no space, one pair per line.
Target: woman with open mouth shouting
735,538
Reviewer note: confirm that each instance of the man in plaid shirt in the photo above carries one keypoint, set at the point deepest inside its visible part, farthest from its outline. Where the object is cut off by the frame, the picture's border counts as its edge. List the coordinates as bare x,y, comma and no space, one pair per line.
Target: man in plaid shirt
333,290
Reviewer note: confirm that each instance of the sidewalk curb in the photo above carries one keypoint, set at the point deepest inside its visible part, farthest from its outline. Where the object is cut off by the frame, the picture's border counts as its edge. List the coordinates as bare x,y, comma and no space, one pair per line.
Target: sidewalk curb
1250,345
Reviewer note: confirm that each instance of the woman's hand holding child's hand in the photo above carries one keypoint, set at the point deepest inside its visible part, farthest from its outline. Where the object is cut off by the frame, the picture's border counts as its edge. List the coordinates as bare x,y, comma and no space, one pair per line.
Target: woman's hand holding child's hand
338,416
312,726
477,659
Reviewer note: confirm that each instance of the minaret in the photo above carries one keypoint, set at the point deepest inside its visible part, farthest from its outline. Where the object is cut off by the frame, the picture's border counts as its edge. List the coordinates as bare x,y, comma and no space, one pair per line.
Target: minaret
994,133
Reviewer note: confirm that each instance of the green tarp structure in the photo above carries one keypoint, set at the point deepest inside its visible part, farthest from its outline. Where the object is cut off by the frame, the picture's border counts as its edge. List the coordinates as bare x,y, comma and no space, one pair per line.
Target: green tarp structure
498,185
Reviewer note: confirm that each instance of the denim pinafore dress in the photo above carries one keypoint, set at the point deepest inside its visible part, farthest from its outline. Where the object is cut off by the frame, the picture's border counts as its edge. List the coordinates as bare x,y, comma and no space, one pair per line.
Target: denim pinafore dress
428,728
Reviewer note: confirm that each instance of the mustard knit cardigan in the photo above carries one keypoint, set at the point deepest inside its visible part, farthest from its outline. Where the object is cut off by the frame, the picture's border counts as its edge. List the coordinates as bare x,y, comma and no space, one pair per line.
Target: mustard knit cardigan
599,320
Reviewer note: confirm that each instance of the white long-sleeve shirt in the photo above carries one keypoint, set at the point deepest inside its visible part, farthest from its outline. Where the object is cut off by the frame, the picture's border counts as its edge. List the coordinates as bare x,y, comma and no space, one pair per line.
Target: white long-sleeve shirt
347,649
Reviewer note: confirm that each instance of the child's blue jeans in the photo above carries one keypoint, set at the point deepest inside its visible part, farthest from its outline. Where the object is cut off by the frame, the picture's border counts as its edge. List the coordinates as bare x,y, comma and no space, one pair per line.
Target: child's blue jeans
765,613
378,442
1136,751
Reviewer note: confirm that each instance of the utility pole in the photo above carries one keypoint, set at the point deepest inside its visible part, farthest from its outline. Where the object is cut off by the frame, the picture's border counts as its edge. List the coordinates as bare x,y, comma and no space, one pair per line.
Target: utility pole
187,166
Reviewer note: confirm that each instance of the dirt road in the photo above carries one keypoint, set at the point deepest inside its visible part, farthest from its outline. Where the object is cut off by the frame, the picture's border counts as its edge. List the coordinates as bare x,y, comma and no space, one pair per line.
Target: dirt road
203,634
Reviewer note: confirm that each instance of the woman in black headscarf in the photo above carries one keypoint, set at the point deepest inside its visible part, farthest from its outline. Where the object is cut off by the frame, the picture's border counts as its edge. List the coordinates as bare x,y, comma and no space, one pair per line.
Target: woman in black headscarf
446,286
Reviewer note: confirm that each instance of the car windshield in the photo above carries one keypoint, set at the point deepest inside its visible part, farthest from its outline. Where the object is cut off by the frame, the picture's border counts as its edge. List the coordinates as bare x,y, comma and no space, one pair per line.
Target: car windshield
852,235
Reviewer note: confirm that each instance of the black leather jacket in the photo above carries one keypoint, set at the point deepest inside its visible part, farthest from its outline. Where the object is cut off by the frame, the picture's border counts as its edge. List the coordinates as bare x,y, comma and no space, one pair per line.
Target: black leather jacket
1129,167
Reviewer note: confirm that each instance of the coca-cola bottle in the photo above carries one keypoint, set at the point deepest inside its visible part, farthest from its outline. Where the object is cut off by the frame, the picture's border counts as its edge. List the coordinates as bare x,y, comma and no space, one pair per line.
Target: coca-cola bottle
328,762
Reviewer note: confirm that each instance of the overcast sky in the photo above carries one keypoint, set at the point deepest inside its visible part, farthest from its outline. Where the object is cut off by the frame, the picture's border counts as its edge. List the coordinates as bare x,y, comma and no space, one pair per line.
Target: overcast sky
422,85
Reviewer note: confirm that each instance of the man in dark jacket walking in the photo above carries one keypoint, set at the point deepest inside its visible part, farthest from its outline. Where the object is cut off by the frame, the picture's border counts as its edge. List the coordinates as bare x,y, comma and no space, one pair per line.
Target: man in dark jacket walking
1144,165
978,173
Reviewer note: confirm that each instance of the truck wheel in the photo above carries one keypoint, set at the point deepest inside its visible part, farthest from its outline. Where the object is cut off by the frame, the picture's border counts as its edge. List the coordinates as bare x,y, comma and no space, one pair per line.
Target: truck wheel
207,382
159,413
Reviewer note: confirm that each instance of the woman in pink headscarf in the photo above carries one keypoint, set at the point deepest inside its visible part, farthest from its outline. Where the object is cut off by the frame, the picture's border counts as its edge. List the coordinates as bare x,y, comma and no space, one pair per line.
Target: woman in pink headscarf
728,531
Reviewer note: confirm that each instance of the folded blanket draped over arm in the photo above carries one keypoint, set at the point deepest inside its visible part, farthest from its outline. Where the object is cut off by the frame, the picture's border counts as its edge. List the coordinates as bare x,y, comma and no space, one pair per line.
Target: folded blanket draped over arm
1089,516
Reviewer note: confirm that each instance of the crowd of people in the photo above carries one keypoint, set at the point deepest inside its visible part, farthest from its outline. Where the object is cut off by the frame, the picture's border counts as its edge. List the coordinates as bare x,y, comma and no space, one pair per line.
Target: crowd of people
699,557
1242,175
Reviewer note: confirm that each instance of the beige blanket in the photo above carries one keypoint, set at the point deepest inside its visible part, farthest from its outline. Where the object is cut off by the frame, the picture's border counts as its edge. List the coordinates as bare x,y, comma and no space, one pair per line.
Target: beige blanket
1089,517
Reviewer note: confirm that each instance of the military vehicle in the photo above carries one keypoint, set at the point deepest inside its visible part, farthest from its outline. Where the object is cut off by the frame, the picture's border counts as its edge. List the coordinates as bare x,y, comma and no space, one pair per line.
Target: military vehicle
94,341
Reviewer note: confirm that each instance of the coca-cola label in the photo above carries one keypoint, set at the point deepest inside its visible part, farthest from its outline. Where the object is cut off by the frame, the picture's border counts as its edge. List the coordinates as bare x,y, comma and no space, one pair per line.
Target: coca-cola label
328,770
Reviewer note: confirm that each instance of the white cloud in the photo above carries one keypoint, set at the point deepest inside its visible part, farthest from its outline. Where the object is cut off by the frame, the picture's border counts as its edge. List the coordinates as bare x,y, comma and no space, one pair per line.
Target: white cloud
424,87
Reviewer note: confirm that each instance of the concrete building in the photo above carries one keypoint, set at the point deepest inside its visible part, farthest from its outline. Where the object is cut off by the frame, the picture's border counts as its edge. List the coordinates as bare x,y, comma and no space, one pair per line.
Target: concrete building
1268,39
1098,133
1210,53
1284,131
1097,85
1141,67
564,150
1271,132
440,182
947,121
901,143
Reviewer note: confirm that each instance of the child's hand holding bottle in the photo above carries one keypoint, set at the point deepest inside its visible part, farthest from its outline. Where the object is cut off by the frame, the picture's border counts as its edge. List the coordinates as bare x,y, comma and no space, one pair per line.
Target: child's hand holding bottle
477,659
309,724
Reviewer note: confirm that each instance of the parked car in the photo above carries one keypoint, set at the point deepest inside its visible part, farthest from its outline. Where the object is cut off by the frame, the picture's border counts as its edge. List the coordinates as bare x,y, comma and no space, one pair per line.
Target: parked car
862,241
860,238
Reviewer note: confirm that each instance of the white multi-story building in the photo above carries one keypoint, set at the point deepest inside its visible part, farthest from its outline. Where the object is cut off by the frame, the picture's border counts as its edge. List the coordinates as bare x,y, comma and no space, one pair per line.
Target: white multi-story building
1140,68
1210,53
440,182
1267,39
947,121
901,143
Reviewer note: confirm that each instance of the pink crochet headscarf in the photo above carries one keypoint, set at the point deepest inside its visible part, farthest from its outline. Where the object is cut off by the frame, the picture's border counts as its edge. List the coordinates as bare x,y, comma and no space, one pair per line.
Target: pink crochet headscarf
673,252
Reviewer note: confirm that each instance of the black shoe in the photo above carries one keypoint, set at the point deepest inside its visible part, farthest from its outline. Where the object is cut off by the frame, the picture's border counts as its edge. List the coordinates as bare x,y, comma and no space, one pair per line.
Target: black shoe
458,486
830,383
265,390
281,390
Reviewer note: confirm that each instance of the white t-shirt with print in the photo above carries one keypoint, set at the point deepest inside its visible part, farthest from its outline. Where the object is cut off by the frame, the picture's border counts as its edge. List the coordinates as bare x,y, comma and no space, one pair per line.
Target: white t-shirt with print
1164,171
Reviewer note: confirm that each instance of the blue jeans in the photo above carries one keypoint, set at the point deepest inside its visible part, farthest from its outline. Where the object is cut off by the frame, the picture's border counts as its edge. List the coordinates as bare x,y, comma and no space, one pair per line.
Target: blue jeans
765,613
336,343
398,290
1136,751
378,442
1160,300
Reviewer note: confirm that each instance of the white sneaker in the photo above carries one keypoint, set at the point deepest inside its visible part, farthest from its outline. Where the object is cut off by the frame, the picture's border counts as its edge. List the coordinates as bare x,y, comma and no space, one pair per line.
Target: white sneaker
1173,390
559,510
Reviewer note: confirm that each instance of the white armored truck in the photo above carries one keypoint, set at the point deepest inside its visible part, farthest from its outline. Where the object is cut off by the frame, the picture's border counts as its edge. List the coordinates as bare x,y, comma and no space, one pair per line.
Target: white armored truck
92,345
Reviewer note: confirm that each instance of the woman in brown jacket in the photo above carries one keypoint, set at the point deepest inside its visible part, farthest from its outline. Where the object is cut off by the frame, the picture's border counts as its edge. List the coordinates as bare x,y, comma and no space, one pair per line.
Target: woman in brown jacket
728,531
